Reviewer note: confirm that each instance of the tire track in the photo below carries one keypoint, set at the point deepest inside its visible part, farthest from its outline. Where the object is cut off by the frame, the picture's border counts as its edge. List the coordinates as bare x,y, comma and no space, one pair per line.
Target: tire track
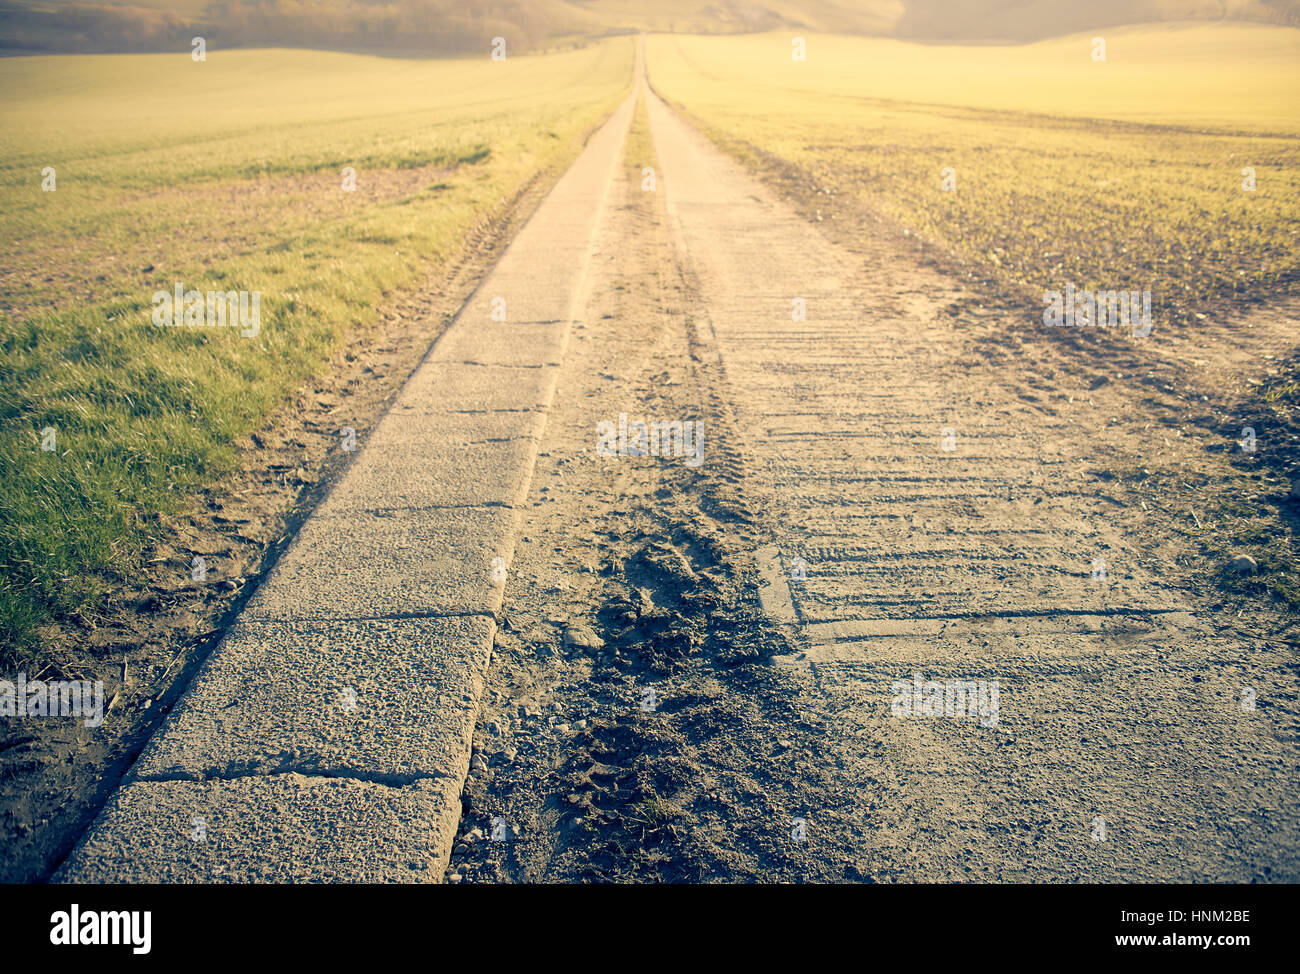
937,521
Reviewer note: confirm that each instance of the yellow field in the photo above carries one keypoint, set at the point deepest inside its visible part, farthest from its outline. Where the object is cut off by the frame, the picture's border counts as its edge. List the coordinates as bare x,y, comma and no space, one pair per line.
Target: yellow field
1240,77
1126,173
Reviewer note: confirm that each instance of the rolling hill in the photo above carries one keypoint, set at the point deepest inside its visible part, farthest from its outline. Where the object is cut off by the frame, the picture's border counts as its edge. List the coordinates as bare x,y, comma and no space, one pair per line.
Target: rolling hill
442,27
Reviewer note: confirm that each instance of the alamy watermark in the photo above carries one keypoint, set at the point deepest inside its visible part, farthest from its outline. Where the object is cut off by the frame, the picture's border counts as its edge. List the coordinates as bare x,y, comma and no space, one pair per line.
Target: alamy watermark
213,309
953,698
1073,308
658,438
74,927
53,698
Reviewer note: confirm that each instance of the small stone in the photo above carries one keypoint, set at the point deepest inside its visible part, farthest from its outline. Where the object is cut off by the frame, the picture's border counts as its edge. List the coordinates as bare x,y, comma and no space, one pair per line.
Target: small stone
476,763
582,637
454,878
563,728
474,835
1243,564
581,725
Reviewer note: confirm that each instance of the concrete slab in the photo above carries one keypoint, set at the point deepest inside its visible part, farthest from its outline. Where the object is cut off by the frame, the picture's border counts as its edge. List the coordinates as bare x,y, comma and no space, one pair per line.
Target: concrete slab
450,460
280,829
521,345
390,700
440,386
363,565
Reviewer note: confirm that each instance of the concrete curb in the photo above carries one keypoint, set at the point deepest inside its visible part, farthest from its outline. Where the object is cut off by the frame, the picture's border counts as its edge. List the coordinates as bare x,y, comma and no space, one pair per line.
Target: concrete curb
327,738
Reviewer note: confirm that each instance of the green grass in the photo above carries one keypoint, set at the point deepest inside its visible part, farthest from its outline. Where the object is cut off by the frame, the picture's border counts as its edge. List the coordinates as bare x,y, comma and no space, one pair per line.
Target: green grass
1117,174
222,173
653,812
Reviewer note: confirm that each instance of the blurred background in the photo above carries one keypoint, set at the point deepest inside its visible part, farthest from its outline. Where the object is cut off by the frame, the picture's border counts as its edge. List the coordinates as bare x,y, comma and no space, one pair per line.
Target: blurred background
459,26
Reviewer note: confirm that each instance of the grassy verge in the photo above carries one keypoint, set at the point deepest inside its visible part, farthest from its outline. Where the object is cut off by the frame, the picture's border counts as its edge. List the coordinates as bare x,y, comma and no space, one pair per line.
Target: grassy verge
225,174
1125,173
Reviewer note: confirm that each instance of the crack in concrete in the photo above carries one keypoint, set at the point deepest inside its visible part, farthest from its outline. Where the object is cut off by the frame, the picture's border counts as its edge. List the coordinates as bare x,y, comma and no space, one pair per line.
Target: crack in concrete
389,780
393,616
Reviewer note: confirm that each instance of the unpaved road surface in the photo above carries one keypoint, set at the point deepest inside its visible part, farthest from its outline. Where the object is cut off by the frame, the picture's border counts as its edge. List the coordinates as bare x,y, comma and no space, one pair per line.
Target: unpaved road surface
885,504
886,613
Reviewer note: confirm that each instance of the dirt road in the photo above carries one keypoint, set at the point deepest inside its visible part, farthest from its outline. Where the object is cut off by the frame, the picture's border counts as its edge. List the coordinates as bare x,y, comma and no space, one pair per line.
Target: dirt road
891,513
872,602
